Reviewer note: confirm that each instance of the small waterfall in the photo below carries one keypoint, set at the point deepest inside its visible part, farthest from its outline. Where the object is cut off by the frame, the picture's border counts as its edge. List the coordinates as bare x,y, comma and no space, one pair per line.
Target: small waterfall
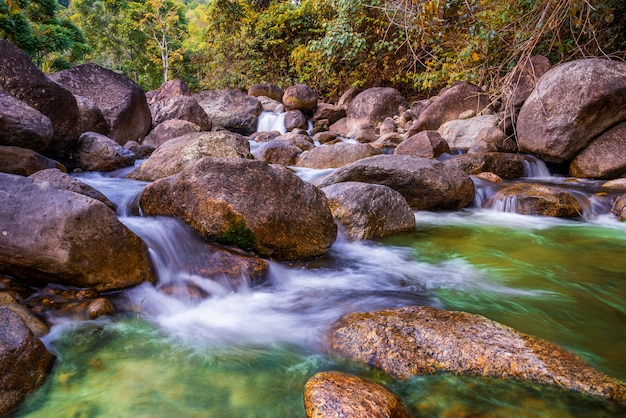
270,121
534,167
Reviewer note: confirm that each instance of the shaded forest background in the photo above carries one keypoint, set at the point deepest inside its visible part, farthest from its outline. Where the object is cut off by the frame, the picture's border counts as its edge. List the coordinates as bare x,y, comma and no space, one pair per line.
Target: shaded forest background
417,47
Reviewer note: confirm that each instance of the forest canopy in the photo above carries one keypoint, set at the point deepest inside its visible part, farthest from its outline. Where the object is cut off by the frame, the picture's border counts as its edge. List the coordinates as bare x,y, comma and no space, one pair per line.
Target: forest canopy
415,46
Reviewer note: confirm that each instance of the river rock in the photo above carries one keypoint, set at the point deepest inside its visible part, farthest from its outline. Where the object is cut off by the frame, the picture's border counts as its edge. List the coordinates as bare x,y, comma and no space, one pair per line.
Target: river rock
448,105
269,90
536,199
97,152
329,112
122,101
369,211
335,155
492,139
24,162
425,144
32,322
21,78
295,119
572,104
277,151
24,361
463,133
176,154
300,140
91,117
22,125
180,107
300,97
604,157
619,208
142,151
417,340
425,184
364,133
248,203
505,165
56,178
522,81
373,106
231,109
336,394
49,235
169,89
169,129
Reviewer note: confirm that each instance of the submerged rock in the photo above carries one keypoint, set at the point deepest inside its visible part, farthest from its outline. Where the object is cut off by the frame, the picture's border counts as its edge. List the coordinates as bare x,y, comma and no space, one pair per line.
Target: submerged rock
337,394
413,341
24,361
536,199
425,184
49,235
248,203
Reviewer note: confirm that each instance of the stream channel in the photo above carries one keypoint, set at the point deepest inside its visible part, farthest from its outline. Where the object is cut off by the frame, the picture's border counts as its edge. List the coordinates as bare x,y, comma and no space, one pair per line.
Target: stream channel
247,352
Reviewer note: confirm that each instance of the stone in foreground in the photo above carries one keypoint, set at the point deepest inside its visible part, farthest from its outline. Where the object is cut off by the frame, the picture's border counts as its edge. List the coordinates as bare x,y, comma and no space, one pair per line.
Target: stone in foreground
417,340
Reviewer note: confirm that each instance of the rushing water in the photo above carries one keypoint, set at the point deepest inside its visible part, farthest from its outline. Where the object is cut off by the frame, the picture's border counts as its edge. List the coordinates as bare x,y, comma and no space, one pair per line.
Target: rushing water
247,351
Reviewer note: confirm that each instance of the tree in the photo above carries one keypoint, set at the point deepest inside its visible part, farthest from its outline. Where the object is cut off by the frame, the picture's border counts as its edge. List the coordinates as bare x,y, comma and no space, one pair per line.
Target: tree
165,22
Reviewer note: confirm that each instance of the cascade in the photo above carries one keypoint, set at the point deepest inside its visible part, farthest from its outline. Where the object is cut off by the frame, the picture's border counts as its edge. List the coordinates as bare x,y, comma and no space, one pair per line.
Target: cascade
270,121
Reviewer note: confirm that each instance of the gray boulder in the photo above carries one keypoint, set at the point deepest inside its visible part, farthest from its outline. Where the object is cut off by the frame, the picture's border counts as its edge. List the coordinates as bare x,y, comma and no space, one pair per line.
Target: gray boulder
122,102
24,361
278,151
571,105
425,144
23,126
169,129
413,341
425,184
604,157
91,117
369,211
176,154
21,78
231,109
300,97
335,155
51,235
24,162
373,106
463,133
97,152
505,165
254,205
180,107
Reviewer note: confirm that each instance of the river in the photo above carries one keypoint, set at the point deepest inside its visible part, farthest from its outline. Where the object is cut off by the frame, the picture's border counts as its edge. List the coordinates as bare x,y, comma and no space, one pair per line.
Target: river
247,351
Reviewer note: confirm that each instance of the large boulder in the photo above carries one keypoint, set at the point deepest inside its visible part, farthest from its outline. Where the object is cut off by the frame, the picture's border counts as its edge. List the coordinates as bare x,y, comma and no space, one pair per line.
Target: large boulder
278,151
56,178
425,184
21,78
169,129
269,90
337,394
336,155
536,199
425,144
374,105
505,165
463,133
169,89
369,211
571,105
122,101
24,361
231,109
522,82
180,107
449,105
24,162
413,341
91,117
248,203
176,154
23,126
604,157
58,236
97,152
300,97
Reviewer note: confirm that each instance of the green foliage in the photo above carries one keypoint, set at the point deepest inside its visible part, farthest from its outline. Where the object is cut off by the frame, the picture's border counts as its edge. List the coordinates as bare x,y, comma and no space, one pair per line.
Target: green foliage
35,27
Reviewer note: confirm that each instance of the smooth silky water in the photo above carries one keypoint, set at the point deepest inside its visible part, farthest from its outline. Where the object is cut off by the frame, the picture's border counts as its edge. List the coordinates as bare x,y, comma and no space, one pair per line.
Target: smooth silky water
248,351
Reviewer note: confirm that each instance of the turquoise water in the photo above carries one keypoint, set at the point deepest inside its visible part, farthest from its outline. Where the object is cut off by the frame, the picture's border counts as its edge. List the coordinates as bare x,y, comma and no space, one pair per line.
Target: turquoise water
247,352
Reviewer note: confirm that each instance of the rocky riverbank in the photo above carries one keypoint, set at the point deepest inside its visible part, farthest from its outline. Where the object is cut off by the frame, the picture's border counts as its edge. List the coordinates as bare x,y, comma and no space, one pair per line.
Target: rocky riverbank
63,249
